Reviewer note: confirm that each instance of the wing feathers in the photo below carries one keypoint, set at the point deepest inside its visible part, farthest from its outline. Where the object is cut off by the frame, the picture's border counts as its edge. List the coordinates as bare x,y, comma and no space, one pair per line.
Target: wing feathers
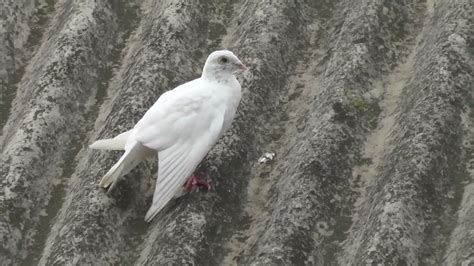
177,163
171,185
170,162
174,167
174,177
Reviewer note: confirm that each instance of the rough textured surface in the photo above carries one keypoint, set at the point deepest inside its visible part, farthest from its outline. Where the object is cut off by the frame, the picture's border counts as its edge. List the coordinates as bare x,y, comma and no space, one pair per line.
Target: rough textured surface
367,104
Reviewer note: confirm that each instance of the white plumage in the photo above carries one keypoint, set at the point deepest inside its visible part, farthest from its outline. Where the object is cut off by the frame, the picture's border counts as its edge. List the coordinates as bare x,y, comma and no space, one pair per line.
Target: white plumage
182,126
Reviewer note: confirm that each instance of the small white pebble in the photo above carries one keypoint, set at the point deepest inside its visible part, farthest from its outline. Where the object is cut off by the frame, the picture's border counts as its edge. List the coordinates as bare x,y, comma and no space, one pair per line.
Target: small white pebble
267,157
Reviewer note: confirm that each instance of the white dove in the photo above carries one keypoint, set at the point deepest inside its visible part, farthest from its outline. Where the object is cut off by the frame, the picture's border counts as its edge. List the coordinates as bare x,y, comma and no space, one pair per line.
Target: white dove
181,127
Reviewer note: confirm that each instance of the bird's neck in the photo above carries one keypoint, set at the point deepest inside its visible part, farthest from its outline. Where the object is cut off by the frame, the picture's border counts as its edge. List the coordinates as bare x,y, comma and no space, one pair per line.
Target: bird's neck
219,76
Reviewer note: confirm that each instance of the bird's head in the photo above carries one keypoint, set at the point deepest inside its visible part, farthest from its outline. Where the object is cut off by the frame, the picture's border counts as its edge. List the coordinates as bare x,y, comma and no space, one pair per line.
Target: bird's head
222,64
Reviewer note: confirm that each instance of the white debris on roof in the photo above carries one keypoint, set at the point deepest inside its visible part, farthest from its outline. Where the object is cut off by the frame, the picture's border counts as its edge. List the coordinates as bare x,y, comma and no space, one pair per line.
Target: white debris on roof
267,157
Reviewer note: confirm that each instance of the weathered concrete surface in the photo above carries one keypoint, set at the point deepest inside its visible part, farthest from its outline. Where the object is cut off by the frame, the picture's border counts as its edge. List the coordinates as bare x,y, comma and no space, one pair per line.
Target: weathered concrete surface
367,105
14,32
46,122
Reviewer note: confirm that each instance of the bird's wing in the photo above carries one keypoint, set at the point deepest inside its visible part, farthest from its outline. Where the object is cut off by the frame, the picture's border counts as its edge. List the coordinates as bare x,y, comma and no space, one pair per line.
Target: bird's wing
182,126
177,163
173,116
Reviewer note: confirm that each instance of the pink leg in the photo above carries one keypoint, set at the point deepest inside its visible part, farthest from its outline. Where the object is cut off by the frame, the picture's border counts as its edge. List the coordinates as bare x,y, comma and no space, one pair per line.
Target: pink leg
195,181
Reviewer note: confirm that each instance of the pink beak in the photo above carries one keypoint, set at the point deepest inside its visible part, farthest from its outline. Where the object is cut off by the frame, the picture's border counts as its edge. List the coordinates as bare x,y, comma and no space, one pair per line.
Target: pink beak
241,66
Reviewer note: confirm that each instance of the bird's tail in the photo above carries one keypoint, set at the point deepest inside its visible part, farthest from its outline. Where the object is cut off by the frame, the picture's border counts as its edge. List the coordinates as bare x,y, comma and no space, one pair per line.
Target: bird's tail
131,158
117,143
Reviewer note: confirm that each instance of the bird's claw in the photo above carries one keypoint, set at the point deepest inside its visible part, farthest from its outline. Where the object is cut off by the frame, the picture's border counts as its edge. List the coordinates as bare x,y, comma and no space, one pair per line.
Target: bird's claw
195,181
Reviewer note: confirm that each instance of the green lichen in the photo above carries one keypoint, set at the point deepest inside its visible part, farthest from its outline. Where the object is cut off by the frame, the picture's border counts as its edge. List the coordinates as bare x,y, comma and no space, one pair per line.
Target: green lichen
370,109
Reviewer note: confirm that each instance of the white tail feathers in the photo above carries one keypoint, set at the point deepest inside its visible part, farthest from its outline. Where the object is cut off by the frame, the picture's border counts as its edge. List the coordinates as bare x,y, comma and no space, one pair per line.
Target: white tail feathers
131,158
117,143
107,144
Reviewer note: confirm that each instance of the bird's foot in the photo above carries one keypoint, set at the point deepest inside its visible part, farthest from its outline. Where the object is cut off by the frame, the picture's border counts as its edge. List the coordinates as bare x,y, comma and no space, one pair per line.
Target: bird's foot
195,181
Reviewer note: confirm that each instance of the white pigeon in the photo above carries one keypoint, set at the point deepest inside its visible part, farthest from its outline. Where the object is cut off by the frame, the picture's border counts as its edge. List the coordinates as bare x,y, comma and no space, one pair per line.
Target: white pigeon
181,127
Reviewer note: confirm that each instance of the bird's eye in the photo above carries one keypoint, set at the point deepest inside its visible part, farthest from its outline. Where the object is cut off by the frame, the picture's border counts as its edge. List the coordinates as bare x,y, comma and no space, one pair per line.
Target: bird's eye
223,60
